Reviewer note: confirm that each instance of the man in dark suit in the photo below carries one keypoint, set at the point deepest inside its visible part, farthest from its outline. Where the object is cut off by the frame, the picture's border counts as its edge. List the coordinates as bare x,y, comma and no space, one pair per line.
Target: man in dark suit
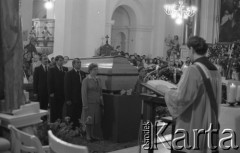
40,82
72,87
56,88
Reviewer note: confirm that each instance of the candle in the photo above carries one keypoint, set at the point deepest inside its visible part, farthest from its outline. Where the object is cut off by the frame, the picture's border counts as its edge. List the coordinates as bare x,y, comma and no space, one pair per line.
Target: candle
232,93
238,93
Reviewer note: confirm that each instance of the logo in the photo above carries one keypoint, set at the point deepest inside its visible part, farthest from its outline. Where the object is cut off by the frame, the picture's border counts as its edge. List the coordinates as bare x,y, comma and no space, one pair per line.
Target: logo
152,134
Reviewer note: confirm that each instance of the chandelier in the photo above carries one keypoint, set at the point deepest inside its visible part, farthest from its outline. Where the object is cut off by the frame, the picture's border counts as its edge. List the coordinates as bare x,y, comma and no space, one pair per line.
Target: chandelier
179,11
49,4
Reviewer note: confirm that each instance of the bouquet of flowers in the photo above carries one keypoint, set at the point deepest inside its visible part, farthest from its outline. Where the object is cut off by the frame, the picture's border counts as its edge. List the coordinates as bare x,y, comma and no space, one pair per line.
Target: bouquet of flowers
226,55
62,129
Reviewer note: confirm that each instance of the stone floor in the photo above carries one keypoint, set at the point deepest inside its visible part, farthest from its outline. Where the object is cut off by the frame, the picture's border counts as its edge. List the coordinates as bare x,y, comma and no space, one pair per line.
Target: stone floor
161,149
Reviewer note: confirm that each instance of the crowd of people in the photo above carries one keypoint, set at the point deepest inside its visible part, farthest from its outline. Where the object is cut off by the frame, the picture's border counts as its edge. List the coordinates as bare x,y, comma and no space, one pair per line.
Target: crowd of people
147,62
75,94
58,88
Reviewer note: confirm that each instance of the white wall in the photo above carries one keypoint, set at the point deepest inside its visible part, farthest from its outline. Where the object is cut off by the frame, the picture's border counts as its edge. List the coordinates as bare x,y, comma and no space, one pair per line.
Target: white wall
81,26
140,32
159,29
59,37
39,11
124,18
121,17
96,21
208,22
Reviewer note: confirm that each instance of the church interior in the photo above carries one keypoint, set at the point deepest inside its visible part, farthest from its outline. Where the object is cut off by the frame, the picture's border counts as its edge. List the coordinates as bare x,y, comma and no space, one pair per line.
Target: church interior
95,75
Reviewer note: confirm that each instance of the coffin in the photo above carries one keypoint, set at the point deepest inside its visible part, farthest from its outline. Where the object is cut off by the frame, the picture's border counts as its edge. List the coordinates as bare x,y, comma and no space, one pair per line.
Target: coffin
116,72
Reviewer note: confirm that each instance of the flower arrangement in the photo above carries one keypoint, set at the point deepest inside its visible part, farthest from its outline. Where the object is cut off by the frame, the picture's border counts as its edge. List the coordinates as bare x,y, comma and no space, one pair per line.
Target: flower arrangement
126,92
227,56
62,129
161,112
170,74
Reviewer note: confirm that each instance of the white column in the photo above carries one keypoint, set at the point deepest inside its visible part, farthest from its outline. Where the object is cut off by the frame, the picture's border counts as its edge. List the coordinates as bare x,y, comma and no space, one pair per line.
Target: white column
143,36
59,37
79,27
51,12
160,29
96,21
70,28
196,20
208,17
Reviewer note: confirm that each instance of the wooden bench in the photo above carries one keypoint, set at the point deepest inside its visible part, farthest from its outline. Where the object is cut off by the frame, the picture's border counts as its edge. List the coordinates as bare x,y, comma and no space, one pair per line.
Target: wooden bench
24,142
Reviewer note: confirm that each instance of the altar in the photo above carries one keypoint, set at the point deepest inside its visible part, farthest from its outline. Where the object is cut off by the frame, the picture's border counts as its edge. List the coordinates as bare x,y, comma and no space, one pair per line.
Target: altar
121,117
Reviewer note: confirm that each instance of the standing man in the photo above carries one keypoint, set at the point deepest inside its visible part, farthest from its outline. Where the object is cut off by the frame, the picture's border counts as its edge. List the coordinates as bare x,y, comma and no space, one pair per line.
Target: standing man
56,88
195,103
72,88
40,82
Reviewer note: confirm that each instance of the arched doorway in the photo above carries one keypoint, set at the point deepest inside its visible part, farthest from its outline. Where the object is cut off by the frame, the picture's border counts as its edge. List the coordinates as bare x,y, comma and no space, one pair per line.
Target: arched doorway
120,40
122,32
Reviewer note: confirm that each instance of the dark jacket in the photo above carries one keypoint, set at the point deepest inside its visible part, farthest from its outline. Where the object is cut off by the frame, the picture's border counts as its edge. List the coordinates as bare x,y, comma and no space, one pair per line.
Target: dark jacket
72,86
40,81
56,81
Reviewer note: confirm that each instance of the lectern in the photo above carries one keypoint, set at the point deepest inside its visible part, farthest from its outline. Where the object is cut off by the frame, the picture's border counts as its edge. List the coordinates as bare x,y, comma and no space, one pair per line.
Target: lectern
150,102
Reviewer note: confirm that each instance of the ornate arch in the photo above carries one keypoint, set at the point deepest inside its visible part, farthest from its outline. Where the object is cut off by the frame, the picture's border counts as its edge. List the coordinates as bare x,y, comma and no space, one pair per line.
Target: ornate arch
134,7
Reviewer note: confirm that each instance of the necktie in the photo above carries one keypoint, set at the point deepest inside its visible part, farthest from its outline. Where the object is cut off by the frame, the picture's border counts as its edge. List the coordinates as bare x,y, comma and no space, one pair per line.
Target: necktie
80,76
46,69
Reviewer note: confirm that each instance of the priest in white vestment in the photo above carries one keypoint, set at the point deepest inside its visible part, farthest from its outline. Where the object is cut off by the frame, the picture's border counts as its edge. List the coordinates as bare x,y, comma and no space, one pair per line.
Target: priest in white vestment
190,103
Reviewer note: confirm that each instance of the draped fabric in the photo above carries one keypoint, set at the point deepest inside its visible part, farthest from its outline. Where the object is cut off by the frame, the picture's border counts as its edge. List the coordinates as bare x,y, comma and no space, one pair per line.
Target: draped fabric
191,107
12,53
